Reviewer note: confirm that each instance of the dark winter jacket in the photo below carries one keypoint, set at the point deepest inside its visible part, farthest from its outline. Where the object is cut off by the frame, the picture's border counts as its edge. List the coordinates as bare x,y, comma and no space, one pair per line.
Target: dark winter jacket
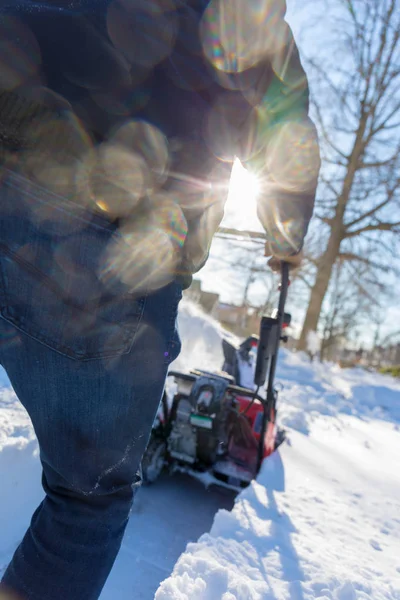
137,108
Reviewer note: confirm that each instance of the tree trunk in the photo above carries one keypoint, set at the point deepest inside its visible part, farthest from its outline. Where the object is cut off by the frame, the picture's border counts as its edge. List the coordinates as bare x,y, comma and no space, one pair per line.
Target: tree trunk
337,235
320,288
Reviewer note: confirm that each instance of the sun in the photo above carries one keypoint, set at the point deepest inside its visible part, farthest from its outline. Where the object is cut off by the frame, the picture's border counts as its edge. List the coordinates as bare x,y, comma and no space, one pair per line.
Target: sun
241,206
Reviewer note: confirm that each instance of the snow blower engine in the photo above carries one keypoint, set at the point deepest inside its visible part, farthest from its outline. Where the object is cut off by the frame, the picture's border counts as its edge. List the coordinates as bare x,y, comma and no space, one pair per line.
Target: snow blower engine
220,426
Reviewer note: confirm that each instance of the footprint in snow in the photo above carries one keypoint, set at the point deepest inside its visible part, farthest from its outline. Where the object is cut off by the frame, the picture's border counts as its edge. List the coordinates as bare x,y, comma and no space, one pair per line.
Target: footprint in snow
375,545
385,531
346,592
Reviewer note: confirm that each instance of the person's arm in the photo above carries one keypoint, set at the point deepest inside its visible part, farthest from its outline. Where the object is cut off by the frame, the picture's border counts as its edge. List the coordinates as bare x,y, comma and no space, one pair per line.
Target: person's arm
287,160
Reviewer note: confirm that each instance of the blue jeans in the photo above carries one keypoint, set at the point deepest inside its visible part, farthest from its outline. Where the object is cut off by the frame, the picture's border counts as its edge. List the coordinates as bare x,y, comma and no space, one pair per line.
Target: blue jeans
88,361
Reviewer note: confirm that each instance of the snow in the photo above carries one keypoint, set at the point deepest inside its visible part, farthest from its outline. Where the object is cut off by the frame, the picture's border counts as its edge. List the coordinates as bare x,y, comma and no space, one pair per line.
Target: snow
166,517
313,343
315,525
19,469
322,520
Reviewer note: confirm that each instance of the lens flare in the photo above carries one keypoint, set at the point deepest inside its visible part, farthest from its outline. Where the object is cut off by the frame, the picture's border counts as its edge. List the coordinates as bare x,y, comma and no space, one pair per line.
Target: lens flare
20,57
116,179
200,235
190,193
283,218
292,157
145,254
99,66
56,144
186,67
60,136
237,34
147,141
121,101
241,206
168,216
144,30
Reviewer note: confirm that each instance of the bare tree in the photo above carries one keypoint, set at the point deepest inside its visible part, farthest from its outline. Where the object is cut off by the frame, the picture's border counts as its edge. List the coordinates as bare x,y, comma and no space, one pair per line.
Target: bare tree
350,305
245,256
358,115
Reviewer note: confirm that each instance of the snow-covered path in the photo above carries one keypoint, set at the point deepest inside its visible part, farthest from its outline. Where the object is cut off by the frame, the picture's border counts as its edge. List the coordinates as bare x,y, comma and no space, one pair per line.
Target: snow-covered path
322,521
165,518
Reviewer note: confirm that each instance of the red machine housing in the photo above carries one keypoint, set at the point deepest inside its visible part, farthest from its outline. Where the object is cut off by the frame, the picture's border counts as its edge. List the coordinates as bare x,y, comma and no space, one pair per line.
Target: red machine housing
254,415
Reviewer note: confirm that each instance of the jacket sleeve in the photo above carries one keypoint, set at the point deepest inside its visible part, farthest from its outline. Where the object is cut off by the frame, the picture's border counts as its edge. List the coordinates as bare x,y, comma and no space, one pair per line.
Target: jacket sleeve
286,153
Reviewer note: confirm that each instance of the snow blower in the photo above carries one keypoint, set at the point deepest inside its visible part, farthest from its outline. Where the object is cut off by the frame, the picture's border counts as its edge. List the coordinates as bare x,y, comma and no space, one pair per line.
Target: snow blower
217,428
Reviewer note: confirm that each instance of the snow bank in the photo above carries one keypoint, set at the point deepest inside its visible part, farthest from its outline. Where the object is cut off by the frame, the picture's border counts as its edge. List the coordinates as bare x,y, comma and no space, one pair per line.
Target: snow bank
322,520
309,390
201,339
19,470
314,389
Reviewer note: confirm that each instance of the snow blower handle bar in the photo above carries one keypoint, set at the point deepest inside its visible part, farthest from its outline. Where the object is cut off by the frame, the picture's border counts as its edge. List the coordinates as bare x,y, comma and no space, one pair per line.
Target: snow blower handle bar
270,336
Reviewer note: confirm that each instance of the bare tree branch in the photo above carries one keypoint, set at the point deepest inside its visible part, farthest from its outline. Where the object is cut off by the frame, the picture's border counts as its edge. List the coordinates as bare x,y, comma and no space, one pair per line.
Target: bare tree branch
375,227
373,210
357,105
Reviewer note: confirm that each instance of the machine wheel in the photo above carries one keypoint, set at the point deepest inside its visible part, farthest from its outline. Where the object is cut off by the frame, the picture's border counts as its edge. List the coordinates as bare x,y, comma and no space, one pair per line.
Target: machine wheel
153,460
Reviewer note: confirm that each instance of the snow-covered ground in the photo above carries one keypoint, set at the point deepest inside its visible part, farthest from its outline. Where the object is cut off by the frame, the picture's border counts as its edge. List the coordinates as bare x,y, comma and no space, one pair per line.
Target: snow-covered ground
322,521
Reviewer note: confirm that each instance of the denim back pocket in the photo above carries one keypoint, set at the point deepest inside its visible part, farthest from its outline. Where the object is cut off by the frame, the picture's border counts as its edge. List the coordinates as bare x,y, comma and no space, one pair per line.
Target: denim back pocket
50,256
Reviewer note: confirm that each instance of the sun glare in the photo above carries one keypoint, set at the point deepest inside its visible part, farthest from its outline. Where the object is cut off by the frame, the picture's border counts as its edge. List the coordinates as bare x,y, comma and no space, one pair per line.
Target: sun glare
241,206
